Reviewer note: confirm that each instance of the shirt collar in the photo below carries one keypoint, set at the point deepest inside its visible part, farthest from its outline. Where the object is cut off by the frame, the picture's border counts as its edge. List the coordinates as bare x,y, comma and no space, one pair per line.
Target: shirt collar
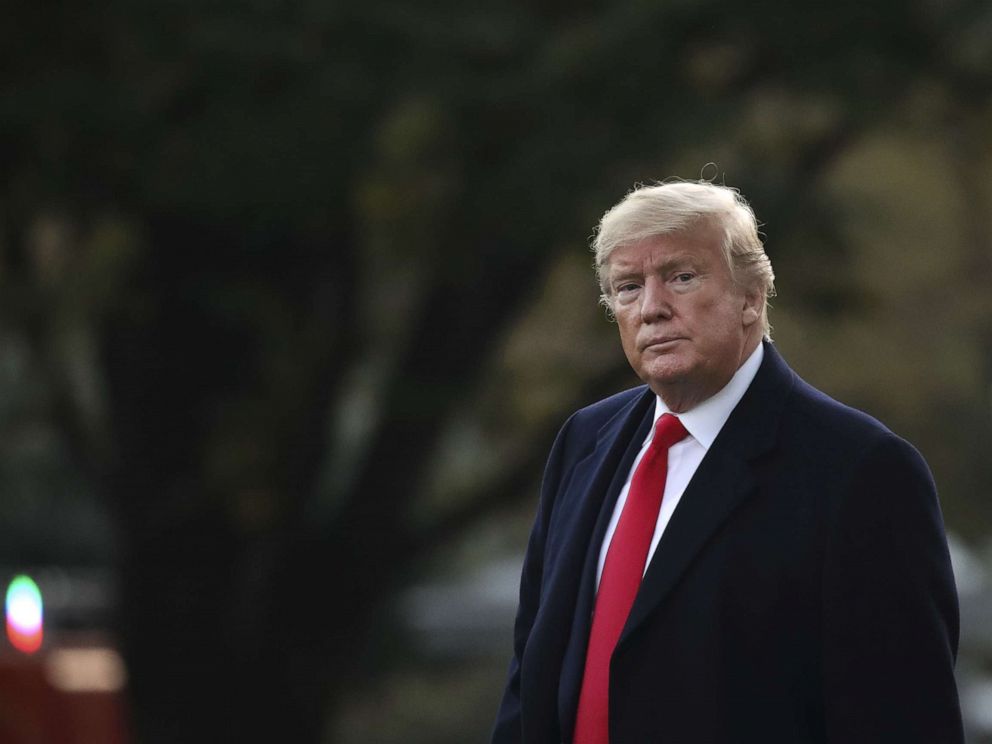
705,420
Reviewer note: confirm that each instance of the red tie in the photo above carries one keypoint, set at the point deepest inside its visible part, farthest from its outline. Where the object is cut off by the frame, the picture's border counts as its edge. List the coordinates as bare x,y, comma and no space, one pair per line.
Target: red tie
622,572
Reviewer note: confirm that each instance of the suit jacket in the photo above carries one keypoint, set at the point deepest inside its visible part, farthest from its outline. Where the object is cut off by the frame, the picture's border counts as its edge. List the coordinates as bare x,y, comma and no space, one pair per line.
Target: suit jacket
802,591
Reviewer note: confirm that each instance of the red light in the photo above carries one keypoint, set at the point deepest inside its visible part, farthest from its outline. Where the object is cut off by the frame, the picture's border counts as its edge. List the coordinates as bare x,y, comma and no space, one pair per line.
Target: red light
26,641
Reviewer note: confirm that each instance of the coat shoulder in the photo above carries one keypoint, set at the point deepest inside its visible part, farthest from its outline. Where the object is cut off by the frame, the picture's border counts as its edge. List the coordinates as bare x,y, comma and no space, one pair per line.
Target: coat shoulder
847,427
590,419
599,413
580,432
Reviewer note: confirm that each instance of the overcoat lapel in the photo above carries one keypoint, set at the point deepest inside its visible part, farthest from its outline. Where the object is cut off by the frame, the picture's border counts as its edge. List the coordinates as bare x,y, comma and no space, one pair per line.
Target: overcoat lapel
573,663
580,505
575,516
722,482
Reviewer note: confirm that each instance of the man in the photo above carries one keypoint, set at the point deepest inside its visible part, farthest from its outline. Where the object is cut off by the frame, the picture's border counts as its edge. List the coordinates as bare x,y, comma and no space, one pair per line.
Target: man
725,554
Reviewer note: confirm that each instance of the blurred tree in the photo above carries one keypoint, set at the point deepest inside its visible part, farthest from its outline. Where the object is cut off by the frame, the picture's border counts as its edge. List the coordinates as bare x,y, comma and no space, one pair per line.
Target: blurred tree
271,257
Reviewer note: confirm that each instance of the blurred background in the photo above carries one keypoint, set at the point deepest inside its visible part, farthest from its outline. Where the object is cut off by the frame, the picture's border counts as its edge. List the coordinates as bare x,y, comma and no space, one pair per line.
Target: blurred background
295,295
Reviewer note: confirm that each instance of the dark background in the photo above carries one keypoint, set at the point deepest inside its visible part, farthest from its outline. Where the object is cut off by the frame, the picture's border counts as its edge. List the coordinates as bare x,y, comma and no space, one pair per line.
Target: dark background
294,295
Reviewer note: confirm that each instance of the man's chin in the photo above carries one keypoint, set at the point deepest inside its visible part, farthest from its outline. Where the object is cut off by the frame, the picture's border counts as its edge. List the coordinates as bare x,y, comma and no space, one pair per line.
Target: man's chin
669,378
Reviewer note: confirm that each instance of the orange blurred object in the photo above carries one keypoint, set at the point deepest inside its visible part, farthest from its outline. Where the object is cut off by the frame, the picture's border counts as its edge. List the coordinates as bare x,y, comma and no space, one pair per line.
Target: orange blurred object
64,695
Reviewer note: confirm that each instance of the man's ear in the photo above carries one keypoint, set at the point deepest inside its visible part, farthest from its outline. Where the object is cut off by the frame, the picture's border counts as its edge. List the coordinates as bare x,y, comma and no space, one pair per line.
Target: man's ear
751,311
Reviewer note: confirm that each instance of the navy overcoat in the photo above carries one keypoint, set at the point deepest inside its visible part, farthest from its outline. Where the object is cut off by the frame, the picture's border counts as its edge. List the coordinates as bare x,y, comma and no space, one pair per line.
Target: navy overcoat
802,591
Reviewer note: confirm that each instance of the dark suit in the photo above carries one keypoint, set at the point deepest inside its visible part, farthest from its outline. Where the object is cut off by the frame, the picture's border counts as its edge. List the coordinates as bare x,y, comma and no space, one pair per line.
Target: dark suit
802,591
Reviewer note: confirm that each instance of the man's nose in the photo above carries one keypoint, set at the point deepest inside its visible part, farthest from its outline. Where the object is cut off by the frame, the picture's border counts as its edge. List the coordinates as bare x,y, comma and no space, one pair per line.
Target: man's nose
656,302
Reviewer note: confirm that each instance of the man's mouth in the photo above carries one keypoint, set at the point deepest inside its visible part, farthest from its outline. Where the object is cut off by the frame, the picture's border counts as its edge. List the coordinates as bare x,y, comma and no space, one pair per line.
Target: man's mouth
661,344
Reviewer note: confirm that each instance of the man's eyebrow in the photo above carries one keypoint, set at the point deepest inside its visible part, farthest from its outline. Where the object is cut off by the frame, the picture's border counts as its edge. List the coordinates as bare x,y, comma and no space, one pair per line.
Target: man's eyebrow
682,259
624,270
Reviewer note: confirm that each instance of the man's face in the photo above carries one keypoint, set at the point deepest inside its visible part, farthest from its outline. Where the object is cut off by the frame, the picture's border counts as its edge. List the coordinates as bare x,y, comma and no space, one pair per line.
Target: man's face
685,325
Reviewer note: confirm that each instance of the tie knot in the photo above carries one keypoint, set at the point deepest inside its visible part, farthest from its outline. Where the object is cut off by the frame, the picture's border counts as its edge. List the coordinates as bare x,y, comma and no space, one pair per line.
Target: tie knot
668,430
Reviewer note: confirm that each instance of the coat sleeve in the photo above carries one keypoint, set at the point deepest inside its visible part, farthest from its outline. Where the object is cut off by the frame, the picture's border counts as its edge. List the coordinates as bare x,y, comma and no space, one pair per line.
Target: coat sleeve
889,612
508,727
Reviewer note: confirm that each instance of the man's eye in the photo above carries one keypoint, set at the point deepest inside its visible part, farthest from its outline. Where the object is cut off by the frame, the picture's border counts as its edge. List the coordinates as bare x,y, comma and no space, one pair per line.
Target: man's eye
626,292
684,277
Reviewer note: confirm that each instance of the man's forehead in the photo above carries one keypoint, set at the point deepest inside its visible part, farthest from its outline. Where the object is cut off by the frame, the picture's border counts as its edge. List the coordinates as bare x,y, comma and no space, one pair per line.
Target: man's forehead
658,253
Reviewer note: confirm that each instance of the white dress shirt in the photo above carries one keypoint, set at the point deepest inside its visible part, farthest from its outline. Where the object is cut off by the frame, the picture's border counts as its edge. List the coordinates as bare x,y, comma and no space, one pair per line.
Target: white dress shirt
703,423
